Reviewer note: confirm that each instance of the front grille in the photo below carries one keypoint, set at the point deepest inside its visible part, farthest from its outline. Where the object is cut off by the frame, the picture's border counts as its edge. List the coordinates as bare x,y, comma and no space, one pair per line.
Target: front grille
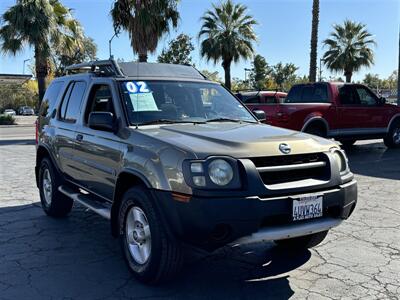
291,168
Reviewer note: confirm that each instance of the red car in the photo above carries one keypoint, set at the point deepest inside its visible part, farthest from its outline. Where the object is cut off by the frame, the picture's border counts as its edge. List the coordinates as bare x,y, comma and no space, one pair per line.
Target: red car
268,101
346,112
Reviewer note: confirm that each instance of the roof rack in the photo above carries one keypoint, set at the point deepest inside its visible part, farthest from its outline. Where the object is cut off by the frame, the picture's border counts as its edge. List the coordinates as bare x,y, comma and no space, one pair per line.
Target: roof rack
100,67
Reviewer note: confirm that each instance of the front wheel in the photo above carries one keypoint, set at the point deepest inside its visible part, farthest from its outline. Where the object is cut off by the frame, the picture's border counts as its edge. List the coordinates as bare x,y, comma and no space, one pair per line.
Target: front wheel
303,242
392,140
151,253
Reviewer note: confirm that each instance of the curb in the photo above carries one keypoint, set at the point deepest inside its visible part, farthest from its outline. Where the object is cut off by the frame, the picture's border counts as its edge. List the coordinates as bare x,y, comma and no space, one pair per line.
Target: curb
17,125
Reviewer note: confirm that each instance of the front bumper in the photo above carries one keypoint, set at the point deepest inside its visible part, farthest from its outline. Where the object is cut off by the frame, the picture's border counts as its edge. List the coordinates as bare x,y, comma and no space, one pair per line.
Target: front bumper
210,223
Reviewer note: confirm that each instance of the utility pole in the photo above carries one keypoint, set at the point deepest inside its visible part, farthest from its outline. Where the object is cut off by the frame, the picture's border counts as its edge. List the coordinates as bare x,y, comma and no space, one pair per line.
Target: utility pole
320,69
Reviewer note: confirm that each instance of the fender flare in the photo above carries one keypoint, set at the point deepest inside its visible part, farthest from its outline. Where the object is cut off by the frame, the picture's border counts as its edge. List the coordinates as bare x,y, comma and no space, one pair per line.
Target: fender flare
392,120
315,118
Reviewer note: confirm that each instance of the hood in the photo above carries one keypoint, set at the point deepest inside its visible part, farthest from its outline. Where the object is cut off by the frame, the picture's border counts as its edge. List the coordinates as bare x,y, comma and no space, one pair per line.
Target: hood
236,140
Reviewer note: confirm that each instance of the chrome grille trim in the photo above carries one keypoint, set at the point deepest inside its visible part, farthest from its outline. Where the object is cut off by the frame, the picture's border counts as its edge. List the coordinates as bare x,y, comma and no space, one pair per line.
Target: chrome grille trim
311,165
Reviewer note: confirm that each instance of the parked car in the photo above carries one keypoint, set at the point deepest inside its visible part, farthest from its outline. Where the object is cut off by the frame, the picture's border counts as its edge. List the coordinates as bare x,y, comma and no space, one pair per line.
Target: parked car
346,112
26,111
9,112
170,157
267,101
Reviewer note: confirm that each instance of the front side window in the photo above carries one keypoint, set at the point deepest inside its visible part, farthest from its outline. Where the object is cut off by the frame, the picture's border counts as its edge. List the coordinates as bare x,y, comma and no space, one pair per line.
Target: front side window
100,100
366,97
170,101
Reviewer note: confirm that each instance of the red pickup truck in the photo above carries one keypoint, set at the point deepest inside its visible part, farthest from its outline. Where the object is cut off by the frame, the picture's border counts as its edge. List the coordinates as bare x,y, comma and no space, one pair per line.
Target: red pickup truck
346,112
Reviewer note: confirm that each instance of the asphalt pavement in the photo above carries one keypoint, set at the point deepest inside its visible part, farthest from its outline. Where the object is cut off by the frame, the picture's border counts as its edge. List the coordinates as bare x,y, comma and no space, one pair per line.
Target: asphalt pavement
76,257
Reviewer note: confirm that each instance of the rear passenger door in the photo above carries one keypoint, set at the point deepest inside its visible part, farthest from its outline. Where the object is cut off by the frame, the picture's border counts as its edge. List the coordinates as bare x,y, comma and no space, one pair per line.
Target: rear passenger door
67,115
99,152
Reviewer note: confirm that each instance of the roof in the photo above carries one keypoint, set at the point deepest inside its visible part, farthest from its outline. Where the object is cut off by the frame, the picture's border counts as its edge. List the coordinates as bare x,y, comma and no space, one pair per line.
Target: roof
14,78
267,93
112,68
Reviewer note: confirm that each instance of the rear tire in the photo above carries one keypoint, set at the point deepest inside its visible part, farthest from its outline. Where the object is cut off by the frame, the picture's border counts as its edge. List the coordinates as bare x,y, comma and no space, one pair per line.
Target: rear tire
302,242
151,253
392,140
54,203
347,143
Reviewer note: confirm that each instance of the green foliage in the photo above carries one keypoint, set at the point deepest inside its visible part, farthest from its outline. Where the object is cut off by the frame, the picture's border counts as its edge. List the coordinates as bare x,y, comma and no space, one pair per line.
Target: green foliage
283,74
349,48
259,73
7,120
14,95
374,82
178,51
62,57
227,35
39,24
146,21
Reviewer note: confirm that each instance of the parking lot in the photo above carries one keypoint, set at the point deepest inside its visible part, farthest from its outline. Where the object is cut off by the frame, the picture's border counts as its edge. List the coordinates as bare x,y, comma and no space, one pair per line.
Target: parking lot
76,257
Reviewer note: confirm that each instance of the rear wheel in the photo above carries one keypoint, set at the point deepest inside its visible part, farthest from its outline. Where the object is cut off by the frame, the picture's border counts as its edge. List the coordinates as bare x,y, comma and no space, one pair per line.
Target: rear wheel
347,143
54,203
303,242
392,140
151,253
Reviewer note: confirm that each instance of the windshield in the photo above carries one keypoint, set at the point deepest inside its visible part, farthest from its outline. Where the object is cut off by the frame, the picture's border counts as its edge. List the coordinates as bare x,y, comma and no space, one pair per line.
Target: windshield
176,102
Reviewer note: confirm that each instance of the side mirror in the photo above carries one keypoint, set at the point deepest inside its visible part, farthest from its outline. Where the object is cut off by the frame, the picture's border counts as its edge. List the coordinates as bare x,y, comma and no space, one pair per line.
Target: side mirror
382,100
101,121
260,115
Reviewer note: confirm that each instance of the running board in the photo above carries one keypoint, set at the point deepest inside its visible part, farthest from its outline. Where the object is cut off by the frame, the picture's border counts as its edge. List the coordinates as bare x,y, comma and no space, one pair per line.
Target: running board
88,201
289,231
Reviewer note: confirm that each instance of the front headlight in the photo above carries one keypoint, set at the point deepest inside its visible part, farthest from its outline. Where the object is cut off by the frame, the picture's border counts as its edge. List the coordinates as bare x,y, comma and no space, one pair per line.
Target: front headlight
220,172
340,160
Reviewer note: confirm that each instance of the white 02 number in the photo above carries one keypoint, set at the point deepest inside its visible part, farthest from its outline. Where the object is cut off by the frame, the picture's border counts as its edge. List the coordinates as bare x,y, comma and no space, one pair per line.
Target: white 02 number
137,87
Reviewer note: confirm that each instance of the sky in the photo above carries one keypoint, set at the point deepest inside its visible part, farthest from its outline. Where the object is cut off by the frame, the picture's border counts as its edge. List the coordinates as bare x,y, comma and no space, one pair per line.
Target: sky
283,32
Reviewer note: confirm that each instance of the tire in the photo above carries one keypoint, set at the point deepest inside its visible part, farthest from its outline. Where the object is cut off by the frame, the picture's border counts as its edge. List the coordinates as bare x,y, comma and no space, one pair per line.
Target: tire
54,203
303,242
347,143
392,140
316,130
151,253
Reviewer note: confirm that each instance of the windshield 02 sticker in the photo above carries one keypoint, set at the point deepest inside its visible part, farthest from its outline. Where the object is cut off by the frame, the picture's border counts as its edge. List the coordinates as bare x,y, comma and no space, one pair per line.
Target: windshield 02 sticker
137,87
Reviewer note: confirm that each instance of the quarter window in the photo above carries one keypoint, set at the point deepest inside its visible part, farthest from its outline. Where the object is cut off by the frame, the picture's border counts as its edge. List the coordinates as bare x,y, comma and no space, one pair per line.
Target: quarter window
72,102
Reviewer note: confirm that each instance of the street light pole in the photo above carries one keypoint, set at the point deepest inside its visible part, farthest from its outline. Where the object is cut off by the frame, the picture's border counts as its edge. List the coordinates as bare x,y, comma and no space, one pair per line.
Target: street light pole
245,75
109,43
398,76
320,69
23,66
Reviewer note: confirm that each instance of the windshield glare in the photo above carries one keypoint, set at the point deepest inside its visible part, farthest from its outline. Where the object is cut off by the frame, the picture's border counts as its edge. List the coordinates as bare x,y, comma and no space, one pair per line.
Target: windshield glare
149,101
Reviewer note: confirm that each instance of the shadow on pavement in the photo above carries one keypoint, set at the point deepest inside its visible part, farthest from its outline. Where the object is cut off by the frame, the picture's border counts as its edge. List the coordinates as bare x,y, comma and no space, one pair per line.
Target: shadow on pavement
17,142
374,160
76,257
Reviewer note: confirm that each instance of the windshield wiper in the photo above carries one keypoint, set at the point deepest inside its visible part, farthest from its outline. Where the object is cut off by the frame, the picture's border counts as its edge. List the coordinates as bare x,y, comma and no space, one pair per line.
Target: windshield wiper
167,121
228,120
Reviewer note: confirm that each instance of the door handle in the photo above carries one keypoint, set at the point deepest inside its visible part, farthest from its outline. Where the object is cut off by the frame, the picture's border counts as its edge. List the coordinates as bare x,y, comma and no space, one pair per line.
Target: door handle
79,137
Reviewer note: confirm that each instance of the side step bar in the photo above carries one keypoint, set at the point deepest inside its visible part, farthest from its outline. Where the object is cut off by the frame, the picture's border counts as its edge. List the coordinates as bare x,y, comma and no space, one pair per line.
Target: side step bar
289,231
88,201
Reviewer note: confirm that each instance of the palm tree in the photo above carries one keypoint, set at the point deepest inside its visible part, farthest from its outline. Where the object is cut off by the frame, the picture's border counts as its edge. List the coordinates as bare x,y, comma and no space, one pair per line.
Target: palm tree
146,22
228,35
349,48
314,41
39,24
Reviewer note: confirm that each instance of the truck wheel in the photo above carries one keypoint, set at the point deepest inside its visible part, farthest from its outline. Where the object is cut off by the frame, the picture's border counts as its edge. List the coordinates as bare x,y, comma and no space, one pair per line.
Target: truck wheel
54,203
303,242
151,254
347,143
392,140
315,130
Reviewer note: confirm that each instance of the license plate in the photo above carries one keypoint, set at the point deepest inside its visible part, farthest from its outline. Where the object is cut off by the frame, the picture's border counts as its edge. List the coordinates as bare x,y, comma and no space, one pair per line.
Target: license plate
307,207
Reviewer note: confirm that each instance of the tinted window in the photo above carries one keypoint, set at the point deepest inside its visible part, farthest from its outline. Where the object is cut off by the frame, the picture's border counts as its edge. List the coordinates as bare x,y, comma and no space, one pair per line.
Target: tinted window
270,99
365,96
316,93
347,95
100,100
248,99
294,94
50,97
72,101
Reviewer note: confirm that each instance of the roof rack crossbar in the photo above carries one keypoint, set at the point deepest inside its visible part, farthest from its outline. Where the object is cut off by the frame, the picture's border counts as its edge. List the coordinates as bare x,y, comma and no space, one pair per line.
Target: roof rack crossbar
97,66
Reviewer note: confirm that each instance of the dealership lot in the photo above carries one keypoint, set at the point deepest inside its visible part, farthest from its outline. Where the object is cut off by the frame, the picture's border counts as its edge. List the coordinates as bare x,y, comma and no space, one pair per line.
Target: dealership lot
76,257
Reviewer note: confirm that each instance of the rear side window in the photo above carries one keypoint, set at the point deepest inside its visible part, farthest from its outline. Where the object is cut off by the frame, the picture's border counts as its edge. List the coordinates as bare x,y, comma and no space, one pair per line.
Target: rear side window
315,93
270,99
50,98
72,102
249,99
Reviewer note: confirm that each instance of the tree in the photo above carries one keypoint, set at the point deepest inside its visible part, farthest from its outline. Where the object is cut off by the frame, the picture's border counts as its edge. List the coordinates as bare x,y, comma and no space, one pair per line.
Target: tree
227,34
259,72
314,41
63,57
283,73
349,48
146,22
178,51
38,24
372,80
